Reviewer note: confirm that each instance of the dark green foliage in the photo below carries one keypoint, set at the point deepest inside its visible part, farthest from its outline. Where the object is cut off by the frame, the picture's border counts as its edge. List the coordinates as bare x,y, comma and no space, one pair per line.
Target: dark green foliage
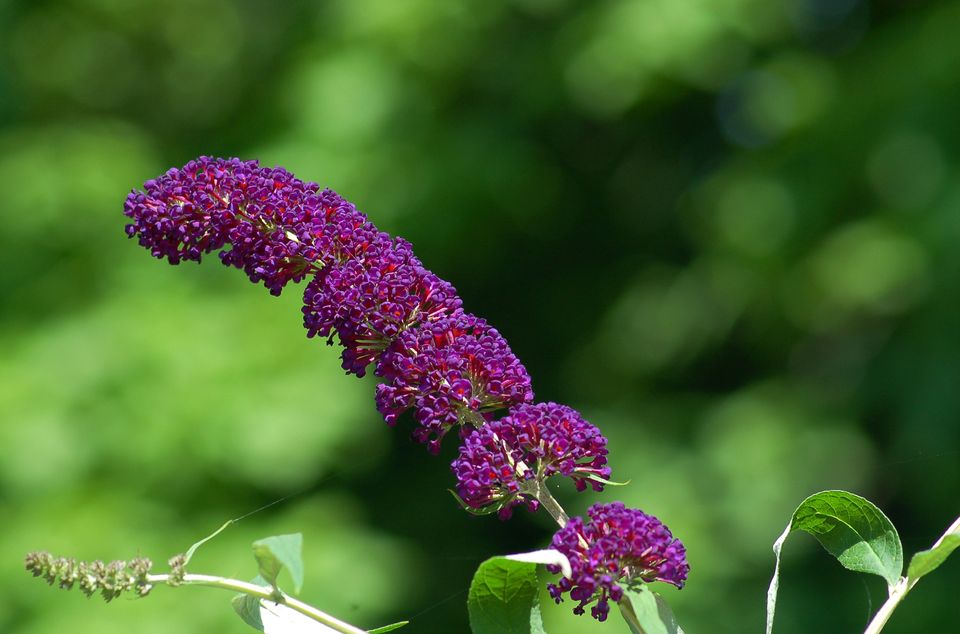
724,232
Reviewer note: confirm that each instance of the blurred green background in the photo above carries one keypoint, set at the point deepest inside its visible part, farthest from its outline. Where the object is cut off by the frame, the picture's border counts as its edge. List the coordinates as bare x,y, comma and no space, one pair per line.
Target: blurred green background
725,230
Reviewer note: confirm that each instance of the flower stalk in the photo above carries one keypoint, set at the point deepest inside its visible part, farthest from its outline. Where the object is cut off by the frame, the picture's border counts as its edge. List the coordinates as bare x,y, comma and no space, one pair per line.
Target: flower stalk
261,592
440,365
119,577
549,503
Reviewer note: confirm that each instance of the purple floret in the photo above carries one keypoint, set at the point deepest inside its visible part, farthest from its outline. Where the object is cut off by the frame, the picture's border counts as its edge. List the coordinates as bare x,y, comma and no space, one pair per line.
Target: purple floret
369,303
532,441
616,547
455,370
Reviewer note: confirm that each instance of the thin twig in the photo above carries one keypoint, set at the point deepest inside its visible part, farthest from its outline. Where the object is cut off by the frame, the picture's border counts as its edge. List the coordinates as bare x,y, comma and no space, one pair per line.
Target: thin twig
262,592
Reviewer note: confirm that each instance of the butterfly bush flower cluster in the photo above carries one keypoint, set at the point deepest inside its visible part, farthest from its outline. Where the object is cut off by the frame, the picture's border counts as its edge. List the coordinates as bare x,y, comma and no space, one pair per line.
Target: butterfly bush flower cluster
456,370
370,293
530,444
615,547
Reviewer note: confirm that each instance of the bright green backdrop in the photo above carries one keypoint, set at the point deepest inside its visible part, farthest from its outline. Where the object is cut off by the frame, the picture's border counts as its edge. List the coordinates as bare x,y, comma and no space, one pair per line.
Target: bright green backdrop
725,230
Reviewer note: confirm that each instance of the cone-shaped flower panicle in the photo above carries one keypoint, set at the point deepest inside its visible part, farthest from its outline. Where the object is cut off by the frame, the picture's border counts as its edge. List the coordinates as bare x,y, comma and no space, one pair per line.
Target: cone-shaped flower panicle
454,370
366,288
278,228
533,442
369,303
615,548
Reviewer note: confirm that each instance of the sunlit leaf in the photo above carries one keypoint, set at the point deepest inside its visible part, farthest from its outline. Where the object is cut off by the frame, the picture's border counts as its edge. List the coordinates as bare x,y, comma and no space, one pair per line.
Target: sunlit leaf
926,561
851,529
504,598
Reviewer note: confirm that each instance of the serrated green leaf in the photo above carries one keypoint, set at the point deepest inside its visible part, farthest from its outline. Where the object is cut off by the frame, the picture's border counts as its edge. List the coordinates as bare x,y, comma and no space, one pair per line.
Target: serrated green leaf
926,561
854,531
850,528
273,553
388,628
504,598
646,612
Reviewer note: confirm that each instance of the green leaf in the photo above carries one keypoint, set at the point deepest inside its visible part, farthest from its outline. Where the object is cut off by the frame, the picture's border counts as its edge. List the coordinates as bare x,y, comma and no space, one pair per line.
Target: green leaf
273,553
646,612
248,607
851,529
203,541
926,561
504,598
249,610
854,531
388,628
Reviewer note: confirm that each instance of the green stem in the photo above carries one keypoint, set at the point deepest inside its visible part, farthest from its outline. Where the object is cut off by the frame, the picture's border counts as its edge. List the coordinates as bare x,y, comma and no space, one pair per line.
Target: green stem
541,492
901,588
472,417
261,593
880,619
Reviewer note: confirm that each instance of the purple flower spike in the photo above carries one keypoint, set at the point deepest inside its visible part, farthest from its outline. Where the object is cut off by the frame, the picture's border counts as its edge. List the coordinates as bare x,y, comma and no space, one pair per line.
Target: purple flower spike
455,370
279,228
616,546
187,212
369,303
532,441
272,237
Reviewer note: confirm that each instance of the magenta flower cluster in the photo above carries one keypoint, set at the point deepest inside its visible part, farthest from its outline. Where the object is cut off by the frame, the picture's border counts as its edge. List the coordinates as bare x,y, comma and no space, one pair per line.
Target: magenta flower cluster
616,547
277,227
455,370
499,460
449,368
368,304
